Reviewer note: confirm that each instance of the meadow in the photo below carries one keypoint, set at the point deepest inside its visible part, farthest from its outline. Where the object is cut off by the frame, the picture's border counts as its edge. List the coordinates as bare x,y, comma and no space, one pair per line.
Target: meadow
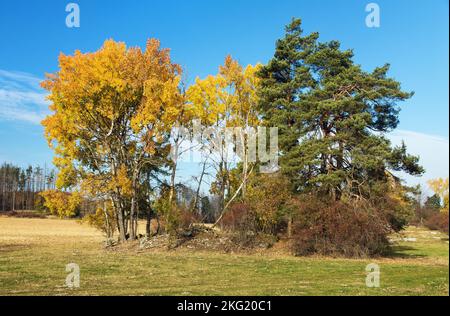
34,254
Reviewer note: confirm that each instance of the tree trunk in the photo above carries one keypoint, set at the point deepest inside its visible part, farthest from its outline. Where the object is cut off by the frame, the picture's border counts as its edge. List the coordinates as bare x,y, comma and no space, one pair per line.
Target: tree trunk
197,193
245,163
107,223
133,218
174,171
289,227
122,234
148,226
120,221
172,183
14,198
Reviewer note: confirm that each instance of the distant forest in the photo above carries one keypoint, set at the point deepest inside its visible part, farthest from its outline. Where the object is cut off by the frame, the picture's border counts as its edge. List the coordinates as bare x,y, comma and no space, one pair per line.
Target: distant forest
19,187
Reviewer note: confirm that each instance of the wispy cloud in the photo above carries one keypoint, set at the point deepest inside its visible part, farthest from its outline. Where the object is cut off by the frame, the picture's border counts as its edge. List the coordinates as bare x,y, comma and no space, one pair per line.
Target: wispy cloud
21,97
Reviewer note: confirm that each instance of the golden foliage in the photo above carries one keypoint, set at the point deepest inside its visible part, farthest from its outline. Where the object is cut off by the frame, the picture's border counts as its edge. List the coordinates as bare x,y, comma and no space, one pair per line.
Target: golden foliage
121,182
230,95
62,204
115,102
103,219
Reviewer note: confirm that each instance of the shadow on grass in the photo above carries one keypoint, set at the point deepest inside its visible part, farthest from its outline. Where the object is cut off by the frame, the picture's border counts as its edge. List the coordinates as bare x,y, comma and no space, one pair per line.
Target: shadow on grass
400,252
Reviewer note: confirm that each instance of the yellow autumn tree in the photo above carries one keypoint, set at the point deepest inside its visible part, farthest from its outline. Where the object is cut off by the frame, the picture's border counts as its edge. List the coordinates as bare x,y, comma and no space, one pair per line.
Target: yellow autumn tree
112,112
62,204
228,99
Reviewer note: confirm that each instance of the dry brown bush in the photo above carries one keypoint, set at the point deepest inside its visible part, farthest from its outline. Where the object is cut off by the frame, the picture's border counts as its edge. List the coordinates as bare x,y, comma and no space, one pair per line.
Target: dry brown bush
438,221
25,214
339,229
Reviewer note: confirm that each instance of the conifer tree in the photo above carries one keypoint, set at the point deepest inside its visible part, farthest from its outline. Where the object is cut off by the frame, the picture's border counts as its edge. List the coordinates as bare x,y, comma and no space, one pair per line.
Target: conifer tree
332,117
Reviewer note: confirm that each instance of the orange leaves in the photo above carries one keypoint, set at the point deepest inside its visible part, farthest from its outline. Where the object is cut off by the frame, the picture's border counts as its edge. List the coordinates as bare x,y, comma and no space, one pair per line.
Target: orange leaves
159,59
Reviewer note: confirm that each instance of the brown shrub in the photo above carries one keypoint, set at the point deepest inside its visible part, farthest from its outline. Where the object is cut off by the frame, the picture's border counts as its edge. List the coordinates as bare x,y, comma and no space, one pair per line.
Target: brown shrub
25,214
338,228
269,196
421,215
179,223
438,221
238,217
246,227
240,220
186,219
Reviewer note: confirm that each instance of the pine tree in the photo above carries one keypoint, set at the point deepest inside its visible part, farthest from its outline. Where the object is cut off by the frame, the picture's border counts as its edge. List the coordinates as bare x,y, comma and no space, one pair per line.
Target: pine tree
332,117
433,203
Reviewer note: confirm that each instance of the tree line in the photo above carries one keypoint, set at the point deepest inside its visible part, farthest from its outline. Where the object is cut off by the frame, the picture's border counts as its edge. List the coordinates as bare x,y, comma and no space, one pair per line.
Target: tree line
114,113
19,187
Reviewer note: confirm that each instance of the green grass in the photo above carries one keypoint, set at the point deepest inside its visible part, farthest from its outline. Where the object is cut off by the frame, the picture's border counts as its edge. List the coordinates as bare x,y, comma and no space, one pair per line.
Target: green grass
35,265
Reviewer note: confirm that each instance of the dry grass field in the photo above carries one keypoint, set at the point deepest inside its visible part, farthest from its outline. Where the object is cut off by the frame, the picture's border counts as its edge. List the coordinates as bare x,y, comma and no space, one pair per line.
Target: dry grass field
34,254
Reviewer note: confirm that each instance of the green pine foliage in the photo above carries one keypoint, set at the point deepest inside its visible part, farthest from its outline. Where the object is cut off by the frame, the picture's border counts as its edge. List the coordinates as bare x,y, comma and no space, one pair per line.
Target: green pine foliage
332,116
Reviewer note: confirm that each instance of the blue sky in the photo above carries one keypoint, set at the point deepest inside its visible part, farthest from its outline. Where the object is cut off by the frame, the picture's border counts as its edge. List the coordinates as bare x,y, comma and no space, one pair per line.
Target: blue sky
413,38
